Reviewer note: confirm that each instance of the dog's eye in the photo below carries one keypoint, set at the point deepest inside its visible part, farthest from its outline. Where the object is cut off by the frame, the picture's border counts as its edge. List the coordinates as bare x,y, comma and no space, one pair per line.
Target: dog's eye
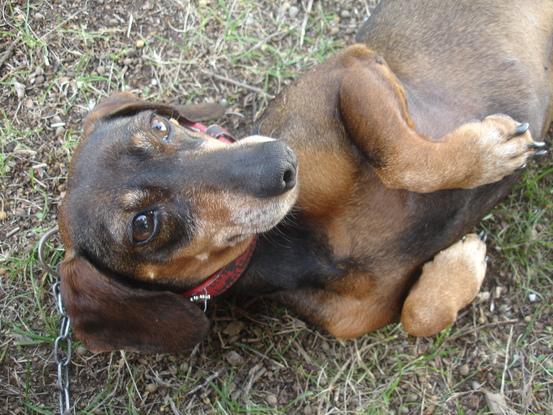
159,125
144,226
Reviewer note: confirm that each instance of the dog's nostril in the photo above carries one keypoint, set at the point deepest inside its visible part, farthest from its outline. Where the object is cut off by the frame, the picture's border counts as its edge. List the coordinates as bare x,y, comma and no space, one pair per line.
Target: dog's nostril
289,178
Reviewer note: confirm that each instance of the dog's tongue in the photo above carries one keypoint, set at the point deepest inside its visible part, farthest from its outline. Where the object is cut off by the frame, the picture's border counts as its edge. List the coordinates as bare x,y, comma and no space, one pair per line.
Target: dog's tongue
220,134
215,131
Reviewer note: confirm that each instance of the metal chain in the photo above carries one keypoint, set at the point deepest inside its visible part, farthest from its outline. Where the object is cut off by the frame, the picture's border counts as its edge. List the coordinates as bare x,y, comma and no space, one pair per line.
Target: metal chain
62,353
62,344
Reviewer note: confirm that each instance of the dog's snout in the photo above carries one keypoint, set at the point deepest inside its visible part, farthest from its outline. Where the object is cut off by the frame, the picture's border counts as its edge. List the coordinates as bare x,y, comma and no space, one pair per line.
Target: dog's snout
259,166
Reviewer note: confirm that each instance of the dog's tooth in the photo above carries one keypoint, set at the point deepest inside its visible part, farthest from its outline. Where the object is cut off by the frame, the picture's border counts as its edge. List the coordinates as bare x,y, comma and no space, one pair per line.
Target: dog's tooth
483,236
521,167
256,139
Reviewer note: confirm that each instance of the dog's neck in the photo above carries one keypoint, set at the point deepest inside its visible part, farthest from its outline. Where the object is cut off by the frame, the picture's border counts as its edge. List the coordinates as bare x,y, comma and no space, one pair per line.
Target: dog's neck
289,257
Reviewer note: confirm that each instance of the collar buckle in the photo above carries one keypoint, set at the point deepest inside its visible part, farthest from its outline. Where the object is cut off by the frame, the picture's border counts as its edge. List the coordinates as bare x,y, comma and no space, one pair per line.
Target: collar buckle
223,279
201,297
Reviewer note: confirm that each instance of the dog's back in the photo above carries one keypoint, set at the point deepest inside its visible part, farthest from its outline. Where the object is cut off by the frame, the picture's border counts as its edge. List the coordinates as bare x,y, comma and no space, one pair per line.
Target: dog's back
455,65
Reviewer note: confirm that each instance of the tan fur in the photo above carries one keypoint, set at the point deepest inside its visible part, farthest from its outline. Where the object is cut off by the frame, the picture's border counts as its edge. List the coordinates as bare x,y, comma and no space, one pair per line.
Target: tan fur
326,179
357,304
448,283
190,267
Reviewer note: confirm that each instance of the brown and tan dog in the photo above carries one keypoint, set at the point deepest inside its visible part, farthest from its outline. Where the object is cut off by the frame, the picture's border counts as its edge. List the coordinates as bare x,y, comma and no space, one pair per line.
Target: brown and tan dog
393,171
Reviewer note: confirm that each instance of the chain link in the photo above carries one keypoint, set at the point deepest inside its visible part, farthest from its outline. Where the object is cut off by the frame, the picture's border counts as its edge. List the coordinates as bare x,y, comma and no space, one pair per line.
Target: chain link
62,353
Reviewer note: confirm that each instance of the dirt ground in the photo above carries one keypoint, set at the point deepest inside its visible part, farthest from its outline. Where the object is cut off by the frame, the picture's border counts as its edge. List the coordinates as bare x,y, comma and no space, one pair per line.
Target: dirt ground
58,58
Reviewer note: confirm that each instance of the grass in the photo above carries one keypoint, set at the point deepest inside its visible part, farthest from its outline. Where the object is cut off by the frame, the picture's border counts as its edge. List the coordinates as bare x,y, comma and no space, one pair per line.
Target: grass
67,59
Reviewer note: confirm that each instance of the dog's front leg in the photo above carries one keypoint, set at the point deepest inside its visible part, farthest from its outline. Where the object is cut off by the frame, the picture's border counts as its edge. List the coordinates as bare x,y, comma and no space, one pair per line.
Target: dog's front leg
376,117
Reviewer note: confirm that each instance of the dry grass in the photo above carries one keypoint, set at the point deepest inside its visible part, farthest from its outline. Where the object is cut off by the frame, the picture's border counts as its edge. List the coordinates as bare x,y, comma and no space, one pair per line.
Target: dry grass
62,56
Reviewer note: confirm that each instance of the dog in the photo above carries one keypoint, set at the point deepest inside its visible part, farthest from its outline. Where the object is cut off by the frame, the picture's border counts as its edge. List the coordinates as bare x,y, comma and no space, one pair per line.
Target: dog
355,217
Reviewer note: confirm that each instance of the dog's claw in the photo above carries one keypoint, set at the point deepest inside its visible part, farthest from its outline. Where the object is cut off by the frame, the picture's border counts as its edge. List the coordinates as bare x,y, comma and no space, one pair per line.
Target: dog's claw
521,128
521,167
537,144
539,153
483,236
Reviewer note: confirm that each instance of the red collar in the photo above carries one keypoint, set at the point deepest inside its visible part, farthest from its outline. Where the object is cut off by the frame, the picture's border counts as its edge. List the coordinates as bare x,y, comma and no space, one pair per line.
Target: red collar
220,281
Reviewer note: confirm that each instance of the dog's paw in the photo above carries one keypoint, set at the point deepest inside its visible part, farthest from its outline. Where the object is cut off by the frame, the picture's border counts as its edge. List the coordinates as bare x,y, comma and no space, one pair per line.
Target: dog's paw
465,258
502,146
448,283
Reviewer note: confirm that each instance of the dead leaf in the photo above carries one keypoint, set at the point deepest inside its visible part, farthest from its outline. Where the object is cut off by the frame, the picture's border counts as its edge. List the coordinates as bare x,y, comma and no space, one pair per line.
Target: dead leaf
497,404
234,328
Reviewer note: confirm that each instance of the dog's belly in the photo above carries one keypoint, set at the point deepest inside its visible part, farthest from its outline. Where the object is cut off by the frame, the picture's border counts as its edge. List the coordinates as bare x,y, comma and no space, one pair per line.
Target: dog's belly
386,232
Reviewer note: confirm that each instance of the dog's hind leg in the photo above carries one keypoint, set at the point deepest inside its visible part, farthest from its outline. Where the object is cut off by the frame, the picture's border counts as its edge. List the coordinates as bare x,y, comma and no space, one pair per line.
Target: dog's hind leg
355,305
448,283
358,304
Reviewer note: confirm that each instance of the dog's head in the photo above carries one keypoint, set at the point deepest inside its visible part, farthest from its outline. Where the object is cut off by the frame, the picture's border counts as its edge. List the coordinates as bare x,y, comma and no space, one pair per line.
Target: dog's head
154,207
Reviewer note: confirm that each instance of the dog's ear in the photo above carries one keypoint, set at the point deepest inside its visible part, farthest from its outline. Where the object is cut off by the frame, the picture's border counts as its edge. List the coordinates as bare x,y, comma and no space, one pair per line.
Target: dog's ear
108,315
125,103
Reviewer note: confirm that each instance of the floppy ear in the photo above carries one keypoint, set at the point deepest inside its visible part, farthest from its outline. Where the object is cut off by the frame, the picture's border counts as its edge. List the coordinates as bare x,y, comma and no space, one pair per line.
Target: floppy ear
124,103
108,315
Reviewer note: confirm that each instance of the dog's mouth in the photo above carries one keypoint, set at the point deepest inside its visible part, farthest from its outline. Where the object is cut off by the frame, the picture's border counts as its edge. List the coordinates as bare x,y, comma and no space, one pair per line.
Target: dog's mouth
256,217
233,240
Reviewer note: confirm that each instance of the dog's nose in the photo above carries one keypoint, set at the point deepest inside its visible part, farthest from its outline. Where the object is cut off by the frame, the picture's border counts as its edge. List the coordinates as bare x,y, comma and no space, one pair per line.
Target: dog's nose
280,175
289,174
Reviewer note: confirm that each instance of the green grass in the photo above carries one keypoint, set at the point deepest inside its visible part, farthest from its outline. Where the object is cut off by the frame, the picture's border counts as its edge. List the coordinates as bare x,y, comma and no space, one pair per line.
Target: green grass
525,240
